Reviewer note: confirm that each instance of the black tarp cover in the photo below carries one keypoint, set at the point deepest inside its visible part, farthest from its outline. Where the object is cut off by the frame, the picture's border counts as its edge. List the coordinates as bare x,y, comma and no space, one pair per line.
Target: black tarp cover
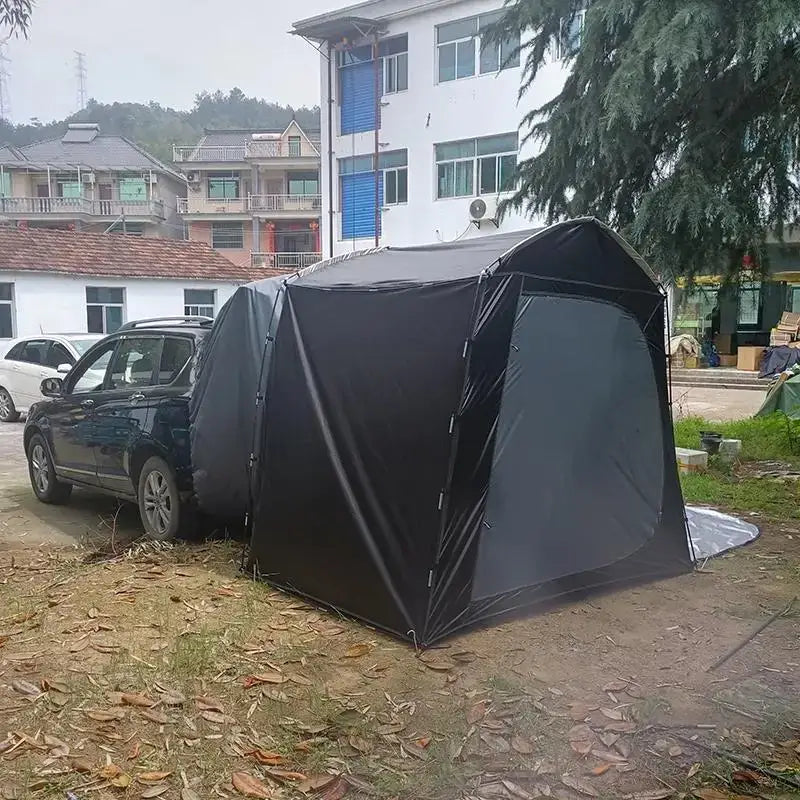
440,435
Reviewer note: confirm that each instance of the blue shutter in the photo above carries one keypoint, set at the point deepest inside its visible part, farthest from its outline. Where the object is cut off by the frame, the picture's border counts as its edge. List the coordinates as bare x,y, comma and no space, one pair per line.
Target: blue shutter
357,97
358,204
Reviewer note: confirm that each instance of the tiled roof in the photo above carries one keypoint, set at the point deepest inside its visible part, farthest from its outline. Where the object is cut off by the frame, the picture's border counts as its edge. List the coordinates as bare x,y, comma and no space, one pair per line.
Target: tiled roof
9,153
117,255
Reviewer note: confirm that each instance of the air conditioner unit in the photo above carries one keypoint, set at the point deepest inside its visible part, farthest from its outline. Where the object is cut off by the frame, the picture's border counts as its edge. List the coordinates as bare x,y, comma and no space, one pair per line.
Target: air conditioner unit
484,209
193,177
87,177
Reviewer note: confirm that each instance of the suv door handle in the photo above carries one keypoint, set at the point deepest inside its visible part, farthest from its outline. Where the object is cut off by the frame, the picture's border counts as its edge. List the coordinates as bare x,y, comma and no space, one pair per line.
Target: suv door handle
134,398
87,403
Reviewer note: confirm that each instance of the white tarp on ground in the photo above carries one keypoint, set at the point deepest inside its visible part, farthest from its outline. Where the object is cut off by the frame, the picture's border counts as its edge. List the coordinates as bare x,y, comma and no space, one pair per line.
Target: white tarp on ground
713,532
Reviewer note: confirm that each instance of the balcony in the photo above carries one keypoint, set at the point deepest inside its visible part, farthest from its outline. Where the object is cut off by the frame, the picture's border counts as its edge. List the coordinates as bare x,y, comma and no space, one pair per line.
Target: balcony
197,204
288,261
80,207
275,148
285,203
207,153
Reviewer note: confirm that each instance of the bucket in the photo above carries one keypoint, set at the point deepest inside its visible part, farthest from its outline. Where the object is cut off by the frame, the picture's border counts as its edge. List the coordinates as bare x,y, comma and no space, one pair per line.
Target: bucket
710,442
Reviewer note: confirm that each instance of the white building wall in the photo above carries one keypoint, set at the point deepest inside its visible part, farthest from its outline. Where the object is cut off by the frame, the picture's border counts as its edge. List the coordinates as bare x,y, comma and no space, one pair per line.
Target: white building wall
46,303
427,114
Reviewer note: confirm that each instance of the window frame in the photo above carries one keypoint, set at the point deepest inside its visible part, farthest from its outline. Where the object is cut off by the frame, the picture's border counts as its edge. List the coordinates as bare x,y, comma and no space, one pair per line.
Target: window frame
74,376
219,228
753,287
182,372
562,50
70,359
294,146
105,306
475,160
197,309
11,310
391,62
233,178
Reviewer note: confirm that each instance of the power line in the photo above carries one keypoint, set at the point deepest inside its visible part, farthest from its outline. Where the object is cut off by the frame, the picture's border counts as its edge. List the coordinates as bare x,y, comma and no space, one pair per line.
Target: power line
5,99
80,74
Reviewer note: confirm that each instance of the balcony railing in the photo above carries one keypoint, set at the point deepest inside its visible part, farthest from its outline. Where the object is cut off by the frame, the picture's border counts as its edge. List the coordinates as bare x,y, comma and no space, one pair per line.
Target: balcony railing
196,204
284,260
78,206
184,154
284,202
275,148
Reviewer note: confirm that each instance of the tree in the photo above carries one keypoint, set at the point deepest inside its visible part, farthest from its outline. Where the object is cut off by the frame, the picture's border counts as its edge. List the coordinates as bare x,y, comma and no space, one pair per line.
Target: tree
679,123
15,16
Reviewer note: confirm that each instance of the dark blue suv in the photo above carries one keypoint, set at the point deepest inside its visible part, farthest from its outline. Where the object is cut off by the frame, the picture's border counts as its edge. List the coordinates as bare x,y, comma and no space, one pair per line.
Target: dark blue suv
119,422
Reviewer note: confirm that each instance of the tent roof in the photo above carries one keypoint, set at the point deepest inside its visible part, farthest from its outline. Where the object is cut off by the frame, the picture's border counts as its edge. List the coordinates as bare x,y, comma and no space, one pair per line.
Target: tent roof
464,259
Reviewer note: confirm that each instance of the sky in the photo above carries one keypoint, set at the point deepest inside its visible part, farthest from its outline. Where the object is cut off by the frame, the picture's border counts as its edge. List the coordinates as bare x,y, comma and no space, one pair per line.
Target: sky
162,50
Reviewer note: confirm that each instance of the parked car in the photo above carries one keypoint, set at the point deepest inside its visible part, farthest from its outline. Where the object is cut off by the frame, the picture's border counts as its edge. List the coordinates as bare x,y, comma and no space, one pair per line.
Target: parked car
119,422
27,361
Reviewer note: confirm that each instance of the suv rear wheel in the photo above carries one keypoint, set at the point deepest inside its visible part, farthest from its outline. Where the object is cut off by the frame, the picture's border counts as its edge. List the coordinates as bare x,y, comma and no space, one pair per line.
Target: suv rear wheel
159,500
43,475
8,411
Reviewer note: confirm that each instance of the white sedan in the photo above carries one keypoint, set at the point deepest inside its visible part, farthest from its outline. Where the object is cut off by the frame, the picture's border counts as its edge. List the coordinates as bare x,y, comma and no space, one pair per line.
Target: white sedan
29,361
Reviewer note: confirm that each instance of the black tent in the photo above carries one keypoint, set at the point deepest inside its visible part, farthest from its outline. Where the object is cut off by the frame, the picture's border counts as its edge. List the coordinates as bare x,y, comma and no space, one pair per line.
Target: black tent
431,437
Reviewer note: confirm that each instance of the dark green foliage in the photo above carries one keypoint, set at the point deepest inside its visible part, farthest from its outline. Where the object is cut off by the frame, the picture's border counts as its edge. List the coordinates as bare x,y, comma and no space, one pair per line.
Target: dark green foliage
15,16
679,124
156,128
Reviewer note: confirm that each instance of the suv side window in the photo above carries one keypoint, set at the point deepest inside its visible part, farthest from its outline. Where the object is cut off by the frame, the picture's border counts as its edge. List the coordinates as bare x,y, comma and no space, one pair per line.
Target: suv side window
90,375
58,355
135,362
34,351
175,356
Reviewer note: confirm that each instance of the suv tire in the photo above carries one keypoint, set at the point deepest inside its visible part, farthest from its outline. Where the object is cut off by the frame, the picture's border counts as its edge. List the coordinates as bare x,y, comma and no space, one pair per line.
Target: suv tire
46,486
159,500
8,411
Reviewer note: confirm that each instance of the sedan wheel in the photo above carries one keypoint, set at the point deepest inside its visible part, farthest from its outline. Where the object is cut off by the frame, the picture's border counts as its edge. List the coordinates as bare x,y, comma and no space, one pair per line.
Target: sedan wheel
157,502
8,412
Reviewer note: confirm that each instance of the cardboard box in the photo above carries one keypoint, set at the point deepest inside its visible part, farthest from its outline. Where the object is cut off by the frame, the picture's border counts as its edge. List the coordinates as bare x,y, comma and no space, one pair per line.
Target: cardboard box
690,362
691,460
750,358
728,361
724,343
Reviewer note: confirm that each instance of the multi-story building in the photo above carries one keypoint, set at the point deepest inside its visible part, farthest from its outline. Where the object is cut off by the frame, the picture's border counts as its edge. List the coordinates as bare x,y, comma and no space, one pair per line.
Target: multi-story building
88,180
254,195
420,120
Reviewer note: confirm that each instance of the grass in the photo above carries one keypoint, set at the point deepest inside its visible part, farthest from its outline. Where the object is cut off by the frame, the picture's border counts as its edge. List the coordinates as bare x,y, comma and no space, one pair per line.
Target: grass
771,438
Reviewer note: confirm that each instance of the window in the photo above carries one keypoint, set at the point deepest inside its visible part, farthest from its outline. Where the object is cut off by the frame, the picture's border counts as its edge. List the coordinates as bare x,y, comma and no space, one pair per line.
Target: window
395,177
90,376
129,228
199,302
358,193
5,183
295,146
134,362
15,352
175,355
303,183
6,310
223,187
464,44
104,309
569,41
132,189
494,158
58,355
34,352
357,101
394,64
68,188
227,235
794,299
749,303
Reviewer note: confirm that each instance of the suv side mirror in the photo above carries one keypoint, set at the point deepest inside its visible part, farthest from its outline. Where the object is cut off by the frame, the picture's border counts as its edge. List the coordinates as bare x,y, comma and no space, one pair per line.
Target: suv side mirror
51,387
63,369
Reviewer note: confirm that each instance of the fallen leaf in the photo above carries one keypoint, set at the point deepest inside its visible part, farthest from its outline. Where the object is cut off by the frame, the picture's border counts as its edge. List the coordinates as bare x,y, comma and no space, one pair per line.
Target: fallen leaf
412,749
248,785
709,793
152,777
623,747
137,699
121,781
172,698
495,742
262,677
357,650
335,790
675,751
522,746
579,711
275,694
300,680
515,790
438,663
208,704
608,755
477,712
81,765
216,717
360,744
579,785
621,727
266,757
56,686
159,717
189,794
58,699
616,686
423,741
653,794
105,716
80,645
601,769
25,688
155,791
693,770
608,739
746,776
58,749
581,747
464,657
286,775
314,783
612,713
135,751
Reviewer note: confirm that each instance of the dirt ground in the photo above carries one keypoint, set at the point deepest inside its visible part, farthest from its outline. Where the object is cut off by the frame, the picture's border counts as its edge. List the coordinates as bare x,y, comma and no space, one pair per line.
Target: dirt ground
167,673
717,405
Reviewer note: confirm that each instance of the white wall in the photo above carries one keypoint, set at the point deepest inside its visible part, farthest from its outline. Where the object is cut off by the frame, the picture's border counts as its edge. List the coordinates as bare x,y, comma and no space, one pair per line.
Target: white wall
427,114
46,303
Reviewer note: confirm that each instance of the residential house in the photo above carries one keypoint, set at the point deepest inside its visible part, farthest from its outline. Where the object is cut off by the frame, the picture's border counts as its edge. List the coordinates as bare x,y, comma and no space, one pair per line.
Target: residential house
88,180
70,281
254,195
419,120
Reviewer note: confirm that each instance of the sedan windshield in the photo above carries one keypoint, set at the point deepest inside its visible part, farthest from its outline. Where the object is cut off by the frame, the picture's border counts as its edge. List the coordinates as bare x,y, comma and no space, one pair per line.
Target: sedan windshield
82,345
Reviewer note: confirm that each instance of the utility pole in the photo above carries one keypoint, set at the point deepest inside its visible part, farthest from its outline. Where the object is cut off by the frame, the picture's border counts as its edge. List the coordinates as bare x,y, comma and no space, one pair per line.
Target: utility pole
5,100
80,74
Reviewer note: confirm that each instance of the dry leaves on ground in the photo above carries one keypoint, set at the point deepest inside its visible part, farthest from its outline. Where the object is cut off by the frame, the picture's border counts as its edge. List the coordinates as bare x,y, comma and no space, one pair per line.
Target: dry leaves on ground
249,786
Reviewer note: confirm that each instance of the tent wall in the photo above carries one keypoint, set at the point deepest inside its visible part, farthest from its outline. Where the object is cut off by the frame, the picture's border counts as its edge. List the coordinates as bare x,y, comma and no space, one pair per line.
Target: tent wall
356,449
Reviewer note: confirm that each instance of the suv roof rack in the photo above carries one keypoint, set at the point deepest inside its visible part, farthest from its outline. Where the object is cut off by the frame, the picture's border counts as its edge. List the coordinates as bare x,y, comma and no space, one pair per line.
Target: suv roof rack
141,323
